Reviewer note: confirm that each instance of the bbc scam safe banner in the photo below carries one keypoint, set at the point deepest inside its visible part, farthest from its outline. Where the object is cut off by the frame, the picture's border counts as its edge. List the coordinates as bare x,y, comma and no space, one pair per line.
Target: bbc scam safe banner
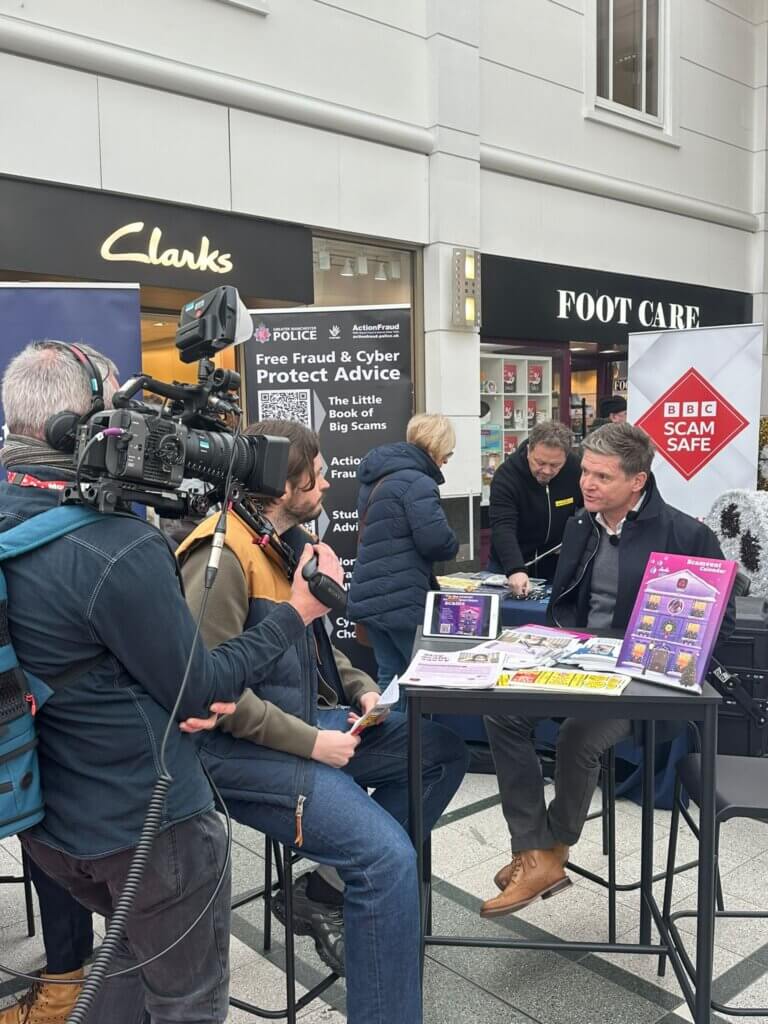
697,394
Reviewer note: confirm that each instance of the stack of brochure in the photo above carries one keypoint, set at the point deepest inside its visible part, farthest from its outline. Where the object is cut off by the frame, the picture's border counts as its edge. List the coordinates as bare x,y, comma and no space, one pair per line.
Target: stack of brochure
533,646
596,654
563,680
473,669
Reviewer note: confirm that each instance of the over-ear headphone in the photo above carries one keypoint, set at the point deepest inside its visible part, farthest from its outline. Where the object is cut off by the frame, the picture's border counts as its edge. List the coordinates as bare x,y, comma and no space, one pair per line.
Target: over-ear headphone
61,428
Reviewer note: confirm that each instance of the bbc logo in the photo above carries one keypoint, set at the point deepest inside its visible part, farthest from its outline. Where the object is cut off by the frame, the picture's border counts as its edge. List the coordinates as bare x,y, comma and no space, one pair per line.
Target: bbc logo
690,410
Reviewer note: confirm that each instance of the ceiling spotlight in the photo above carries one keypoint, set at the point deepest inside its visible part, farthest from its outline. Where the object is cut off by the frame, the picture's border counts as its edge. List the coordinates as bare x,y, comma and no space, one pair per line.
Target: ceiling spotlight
324,260
394,270
362,264
346,270
381,273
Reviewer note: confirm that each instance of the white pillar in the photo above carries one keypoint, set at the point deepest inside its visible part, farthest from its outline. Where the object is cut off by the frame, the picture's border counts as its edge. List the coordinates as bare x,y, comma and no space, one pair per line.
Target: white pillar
452,357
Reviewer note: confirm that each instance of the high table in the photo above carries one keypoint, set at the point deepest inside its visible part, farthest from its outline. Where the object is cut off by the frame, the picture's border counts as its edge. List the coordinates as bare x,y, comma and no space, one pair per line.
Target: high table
640,702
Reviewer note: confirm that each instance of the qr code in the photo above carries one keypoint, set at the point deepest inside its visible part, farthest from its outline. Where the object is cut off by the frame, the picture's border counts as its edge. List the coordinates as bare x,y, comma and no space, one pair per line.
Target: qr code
286,405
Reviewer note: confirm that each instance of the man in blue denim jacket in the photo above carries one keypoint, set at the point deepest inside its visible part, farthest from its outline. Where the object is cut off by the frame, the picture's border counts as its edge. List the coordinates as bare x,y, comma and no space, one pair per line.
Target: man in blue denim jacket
107,597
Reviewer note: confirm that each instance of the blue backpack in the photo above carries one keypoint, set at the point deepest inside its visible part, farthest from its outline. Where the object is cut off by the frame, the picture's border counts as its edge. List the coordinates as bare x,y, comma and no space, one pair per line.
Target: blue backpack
21,693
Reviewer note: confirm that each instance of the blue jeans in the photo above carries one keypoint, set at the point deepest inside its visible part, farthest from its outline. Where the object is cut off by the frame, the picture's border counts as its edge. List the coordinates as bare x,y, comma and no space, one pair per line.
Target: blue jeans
364,838
381,763
343,827
392,650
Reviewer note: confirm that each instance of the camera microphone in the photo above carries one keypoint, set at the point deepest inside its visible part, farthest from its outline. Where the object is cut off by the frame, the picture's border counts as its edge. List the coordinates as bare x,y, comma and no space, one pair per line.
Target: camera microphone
613,539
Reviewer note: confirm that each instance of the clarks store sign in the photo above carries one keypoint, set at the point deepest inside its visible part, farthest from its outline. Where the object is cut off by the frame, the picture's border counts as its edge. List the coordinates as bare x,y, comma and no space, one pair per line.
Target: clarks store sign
100,236
550,302
205,258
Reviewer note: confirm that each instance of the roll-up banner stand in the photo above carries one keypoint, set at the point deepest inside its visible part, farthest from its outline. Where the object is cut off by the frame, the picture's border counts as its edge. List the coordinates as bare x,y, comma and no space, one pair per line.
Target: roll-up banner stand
345,372
104,316
697,394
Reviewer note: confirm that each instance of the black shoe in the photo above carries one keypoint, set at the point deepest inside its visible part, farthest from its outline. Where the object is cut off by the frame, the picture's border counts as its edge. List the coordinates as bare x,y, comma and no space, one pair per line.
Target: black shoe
325,923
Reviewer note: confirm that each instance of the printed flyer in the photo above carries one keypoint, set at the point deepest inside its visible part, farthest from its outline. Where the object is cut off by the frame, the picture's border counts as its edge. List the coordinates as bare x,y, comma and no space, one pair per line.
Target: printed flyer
676,619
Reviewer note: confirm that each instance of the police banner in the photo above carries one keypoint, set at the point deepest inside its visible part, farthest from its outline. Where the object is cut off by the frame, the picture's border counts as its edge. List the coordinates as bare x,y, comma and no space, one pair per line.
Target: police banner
697,394
104,316
344,372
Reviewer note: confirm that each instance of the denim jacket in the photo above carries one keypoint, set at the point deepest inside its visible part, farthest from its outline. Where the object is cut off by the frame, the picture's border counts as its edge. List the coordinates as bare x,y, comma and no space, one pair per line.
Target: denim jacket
110,589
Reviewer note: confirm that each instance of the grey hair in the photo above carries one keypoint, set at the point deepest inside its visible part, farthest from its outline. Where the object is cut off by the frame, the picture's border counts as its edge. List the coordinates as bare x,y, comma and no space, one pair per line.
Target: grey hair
629,444
46,377
551,433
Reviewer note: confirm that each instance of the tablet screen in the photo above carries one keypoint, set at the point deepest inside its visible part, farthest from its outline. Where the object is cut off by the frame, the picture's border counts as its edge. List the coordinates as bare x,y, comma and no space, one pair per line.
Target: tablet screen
471,615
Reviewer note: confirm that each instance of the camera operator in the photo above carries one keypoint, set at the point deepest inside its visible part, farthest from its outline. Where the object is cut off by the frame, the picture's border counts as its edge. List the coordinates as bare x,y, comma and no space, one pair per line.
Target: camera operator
290,768
103,606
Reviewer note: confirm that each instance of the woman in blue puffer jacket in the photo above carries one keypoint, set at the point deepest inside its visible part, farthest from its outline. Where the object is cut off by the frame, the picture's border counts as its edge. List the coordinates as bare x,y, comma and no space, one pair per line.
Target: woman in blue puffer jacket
404,530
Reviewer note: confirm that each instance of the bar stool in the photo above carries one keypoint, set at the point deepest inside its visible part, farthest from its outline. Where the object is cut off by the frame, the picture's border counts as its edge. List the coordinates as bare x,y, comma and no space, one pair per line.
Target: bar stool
283,859
741,792
607,814
24,879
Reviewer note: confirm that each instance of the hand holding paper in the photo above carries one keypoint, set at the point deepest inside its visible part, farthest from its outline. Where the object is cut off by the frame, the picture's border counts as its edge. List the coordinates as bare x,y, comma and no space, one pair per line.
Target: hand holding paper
379,711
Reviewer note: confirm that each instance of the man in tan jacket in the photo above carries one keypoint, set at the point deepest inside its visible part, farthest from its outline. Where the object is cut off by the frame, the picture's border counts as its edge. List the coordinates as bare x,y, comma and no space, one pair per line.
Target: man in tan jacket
318,693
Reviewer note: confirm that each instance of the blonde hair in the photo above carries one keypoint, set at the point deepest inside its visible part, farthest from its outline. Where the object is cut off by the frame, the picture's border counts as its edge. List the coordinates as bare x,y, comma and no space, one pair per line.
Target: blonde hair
432,432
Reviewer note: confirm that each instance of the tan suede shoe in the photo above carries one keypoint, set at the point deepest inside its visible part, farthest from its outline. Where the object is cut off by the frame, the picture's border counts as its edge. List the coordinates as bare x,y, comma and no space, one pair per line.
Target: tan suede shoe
503,875
46,1004
537,875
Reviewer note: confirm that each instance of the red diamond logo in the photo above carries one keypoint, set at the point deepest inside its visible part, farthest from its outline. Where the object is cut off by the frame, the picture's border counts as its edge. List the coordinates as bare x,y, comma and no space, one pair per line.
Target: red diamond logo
691,423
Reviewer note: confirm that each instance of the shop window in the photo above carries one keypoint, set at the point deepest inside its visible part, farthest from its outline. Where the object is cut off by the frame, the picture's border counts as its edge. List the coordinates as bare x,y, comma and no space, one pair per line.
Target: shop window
360,274
628,53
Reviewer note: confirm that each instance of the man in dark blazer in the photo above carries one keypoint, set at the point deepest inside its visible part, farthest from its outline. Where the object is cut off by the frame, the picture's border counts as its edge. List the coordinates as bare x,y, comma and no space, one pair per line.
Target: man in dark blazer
605,551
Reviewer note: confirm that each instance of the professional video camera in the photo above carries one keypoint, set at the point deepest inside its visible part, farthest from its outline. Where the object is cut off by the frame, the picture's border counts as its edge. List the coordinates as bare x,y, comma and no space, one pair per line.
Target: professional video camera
142,452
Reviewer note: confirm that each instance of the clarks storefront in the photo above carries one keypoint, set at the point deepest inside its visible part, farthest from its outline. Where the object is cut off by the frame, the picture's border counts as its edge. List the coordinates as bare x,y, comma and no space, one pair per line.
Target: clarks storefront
54,232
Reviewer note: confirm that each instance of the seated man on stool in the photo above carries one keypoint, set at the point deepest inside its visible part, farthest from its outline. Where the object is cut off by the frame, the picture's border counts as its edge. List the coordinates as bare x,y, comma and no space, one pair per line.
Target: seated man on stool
605,550
293,735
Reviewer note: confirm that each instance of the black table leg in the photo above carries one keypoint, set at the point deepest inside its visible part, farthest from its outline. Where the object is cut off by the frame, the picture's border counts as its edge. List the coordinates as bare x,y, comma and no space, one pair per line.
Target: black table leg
706,897
646,854
415,793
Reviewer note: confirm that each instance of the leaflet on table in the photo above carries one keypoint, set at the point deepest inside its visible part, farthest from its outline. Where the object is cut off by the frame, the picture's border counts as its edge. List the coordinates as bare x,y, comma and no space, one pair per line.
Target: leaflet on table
563,680
596,654
473,669
676,619
469,581
530,646
379,711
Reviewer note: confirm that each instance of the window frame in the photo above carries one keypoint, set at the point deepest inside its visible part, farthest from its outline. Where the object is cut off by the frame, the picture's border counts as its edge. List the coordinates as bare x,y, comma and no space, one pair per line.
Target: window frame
663,127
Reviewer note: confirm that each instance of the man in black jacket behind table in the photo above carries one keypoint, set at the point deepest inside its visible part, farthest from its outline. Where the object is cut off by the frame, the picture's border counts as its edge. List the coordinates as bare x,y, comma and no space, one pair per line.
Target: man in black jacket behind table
606,546
533,495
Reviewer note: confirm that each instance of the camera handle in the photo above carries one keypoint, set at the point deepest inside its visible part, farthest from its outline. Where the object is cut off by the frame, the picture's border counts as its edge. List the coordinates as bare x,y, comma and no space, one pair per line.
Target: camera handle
326,590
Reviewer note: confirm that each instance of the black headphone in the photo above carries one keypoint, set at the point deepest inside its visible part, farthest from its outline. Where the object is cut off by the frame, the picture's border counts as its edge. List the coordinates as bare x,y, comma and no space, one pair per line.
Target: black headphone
61,428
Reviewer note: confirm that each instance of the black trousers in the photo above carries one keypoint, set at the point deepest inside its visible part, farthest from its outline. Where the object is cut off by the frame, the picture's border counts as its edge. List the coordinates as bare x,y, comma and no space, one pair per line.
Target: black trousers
67,924
190,983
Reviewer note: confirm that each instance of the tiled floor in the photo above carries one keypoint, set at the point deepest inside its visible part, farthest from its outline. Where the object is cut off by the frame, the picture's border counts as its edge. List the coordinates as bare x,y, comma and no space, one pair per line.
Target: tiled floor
501,987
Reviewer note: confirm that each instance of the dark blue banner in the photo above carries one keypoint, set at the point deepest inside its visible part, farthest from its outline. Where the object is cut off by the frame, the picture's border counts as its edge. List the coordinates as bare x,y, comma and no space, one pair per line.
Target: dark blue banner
104,317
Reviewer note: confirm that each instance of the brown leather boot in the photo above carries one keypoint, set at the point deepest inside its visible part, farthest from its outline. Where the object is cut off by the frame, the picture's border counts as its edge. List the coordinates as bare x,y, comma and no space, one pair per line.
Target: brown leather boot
46,1004
537,874
503,875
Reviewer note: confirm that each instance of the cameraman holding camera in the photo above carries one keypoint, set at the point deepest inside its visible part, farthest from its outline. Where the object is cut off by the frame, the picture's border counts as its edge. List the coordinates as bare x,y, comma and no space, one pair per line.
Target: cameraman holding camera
103,607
